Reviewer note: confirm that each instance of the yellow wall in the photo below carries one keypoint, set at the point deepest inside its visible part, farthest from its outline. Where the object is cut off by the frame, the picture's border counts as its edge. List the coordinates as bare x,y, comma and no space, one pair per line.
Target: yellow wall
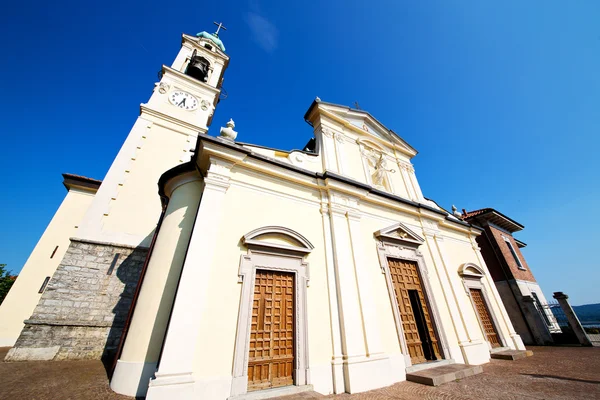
161,150
23,297
259,208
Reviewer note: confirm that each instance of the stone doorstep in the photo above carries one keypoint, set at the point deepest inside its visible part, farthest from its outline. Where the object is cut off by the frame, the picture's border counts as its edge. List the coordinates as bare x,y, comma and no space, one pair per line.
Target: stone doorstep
444,374
499,349
275,392
428,365
511,354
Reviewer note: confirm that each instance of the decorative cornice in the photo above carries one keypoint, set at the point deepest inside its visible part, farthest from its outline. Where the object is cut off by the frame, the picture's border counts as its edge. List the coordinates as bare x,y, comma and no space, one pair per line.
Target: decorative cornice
324,181
361,131
144,109
188,79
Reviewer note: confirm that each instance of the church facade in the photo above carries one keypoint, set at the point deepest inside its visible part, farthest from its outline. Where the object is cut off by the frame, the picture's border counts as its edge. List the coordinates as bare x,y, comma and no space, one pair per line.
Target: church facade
319,269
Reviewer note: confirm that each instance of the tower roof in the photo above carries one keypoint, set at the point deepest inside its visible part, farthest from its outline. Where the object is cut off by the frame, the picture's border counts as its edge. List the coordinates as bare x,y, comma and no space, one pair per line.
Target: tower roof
213,38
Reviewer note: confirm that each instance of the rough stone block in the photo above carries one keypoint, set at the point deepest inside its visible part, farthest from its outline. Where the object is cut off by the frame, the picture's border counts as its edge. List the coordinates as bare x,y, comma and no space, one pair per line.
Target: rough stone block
32,353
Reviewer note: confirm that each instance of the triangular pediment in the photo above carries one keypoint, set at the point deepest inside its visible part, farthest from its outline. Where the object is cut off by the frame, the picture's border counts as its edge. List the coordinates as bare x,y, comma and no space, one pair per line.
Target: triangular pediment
363,124
399,233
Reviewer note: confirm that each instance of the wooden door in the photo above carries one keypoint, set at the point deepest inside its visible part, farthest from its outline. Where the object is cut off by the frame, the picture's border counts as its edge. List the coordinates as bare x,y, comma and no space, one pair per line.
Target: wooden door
405,278
485,318
271,358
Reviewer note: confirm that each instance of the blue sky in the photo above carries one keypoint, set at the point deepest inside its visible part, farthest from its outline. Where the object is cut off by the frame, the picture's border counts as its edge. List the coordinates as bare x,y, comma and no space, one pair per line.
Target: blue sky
502,100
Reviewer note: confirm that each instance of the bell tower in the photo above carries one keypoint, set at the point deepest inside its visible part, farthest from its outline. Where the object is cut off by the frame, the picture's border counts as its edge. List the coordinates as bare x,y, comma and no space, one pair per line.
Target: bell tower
109,244
126,207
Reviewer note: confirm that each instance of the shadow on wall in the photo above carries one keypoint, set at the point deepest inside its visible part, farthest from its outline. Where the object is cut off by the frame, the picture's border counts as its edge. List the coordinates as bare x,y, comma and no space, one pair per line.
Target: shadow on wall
127,271
126,305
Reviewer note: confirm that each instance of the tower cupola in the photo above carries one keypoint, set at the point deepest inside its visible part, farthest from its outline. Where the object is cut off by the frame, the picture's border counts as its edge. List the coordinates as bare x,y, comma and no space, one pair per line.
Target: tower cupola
199,67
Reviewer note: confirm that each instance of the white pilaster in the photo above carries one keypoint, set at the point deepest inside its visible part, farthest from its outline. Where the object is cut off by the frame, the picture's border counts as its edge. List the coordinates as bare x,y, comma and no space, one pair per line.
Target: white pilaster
473,346
362,371
450,304
331,159
366,298
337,358
174,378
415,184
353,340
410,189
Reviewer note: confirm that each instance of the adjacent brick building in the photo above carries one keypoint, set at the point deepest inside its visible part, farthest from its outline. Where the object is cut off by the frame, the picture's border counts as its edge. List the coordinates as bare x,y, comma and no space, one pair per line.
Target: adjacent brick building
520,292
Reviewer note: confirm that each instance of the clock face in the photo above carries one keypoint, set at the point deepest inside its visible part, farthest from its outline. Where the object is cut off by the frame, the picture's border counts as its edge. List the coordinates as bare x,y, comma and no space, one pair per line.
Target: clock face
183,100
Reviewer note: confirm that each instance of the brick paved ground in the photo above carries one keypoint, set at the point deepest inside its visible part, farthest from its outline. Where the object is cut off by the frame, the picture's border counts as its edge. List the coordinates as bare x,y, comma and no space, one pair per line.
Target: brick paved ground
45,380
552,373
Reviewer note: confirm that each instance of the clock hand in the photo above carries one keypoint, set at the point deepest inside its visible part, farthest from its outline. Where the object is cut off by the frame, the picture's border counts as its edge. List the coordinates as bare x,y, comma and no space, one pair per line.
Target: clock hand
182,103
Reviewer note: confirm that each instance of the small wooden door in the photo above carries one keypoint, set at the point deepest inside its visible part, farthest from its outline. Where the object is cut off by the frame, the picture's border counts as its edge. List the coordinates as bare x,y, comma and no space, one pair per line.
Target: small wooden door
271,358
484,317
418,329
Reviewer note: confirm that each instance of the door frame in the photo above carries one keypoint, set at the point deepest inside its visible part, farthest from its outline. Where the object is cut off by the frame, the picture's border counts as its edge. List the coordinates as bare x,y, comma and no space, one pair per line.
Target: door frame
268,255
399,242
472,276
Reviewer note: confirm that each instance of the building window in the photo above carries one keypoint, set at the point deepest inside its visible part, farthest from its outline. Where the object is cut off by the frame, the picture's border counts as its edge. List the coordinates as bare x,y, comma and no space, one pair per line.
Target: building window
514,254
43,287
541,308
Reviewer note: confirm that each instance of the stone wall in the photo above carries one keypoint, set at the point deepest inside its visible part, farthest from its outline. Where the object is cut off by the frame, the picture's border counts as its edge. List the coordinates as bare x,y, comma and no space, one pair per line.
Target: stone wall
84,307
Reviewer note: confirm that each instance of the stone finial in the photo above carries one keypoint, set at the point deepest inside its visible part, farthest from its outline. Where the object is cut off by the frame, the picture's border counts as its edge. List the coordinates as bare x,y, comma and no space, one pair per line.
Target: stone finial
228,132
317,99
455,212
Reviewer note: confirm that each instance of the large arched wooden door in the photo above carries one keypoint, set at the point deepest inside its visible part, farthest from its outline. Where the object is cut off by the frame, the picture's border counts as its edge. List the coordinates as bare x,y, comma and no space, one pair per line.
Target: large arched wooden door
416,319
271,354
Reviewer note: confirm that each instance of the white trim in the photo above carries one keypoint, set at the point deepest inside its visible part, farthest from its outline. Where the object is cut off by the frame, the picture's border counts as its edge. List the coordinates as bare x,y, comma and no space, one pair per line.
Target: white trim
252,239
272,257
471,278
386,250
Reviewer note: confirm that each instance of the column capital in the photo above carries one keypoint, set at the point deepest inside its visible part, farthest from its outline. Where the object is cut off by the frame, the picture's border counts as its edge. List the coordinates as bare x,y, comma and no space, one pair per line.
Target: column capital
218,174
180,180
560,296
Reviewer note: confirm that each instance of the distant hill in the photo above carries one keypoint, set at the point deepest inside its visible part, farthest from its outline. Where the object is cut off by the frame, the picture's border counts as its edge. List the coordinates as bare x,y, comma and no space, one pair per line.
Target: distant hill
588,312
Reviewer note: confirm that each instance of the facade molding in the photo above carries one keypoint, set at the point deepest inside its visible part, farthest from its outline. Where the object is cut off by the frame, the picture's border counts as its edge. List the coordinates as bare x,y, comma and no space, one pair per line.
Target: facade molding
386,250
272,258
472,276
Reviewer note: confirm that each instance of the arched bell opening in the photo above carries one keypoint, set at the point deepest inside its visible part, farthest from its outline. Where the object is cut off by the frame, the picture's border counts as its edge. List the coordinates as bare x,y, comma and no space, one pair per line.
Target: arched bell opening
198,68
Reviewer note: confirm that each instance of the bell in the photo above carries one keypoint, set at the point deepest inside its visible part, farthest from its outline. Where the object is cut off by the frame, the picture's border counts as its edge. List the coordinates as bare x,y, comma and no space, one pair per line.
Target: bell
198,68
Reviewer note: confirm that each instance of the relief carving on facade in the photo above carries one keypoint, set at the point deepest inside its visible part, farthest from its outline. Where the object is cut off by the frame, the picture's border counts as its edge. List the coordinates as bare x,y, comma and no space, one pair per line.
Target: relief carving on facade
377,167
163,87
337,136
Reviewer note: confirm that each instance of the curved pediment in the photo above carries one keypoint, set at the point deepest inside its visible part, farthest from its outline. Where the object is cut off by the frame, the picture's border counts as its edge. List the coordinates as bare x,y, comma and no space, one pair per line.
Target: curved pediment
470,270
277,237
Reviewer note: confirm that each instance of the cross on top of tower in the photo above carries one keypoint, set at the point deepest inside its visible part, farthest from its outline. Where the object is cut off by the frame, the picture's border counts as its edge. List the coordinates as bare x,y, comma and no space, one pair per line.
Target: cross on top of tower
219,26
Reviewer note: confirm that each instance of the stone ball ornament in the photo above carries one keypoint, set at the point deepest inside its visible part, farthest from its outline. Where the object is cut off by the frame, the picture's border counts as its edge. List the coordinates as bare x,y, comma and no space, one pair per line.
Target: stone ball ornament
228,132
